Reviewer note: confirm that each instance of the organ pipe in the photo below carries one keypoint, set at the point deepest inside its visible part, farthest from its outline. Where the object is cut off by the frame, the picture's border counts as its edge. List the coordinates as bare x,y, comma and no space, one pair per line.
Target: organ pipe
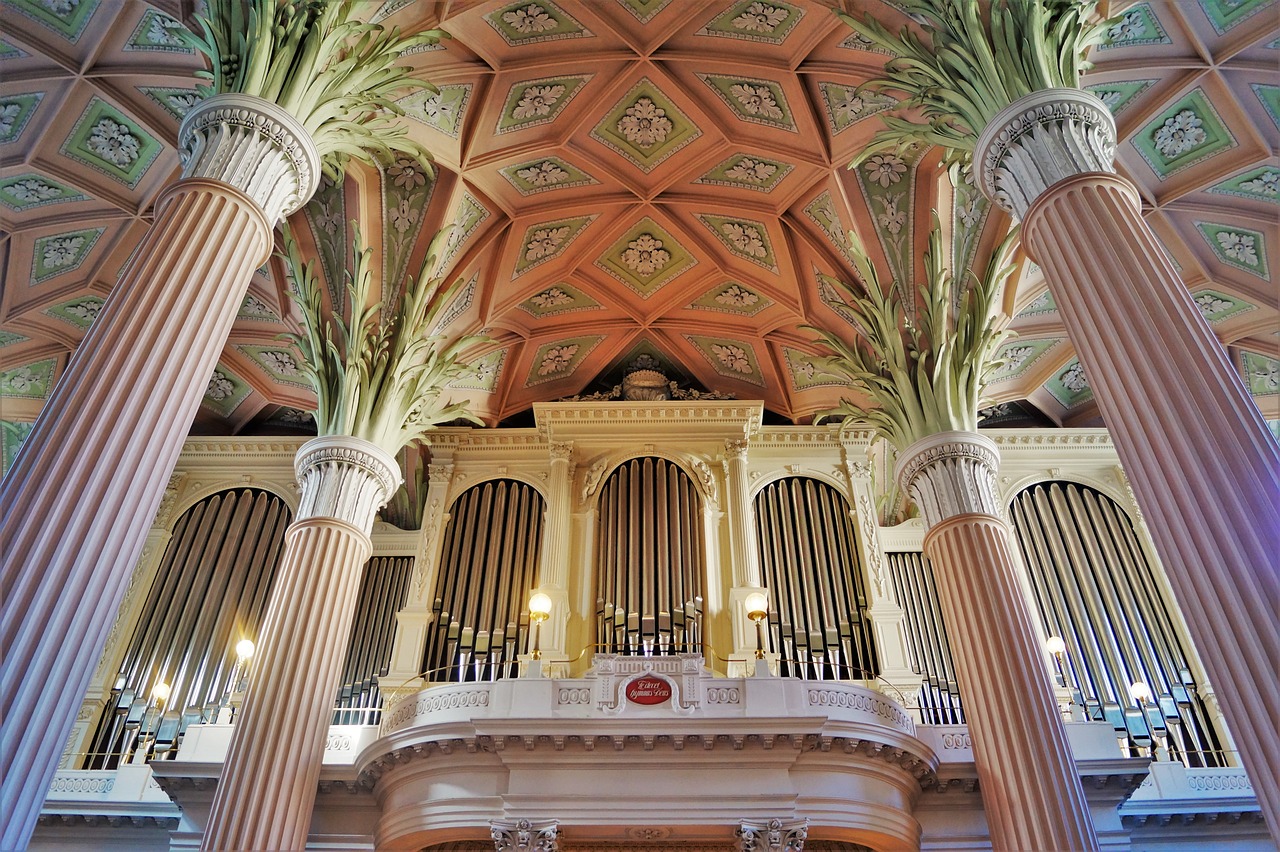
649,560
1096,589
488,564
927,646
209,591
810,562
383,587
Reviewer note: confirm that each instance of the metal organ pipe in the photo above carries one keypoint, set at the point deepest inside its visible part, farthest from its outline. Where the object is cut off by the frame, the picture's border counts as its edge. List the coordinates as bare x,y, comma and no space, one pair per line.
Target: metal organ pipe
926,638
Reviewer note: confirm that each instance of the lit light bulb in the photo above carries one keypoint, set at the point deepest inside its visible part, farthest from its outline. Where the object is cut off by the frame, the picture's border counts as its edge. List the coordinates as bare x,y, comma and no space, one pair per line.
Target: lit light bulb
1139,692
1055,645
757,605
540,605
160,692
245,649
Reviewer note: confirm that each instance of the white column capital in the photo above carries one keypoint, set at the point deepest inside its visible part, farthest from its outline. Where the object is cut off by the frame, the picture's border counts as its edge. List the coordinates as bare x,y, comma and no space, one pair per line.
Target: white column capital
949,474
525,834
773,835
345,478
1039,140
253,145
560,451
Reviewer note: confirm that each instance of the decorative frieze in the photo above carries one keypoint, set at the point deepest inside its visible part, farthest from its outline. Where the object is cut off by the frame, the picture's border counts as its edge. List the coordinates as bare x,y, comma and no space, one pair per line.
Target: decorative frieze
949,474
255,146
1039,140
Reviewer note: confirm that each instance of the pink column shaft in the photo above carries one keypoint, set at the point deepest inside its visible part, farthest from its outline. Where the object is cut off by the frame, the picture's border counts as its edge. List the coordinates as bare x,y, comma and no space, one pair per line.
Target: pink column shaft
1203,466
268,785
109,437
1030,790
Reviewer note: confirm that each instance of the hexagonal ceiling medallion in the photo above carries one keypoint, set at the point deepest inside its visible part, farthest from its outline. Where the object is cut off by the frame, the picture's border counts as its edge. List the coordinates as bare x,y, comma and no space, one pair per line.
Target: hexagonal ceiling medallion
732,297
107,141
539,101
745,238
29,190
558,360
562,298
753,100
645,258
545,173
734,359
529,22
645,126
1239,247
752,20
748,171
547,240
61,253
1186,133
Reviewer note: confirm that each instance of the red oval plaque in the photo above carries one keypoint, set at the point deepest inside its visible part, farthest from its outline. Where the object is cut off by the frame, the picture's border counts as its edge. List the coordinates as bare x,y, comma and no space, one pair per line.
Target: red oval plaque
648,689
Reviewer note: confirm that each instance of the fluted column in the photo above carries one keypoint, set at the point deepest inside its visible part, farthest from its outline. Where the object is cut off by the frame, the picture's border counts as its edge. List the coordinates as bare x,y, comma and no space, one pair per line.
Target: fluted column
743,552
268,784
554,568
77,504
1203,466
1030,790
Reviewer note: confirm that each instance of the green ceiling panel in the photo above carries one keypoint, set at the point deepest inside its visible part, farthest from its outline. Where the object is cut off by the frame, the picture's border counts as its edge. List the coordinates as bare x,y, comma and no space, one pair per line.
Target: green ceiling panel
254,308
1260,183
8,51
80,312
561,298
67,18
644,10
845,107
1261,374
809,371
558,360
15,112
534,102
857,41
108,141
61,253
1216,306
531,21
548,240
442,109
459,305
158,31
12,436
646,127
487,370
745,238
822,212
30,381
1138,25
469,216
176,102
545,174
1270,98
1018,356
8,338
1186,133
1043,304
407,188
753,20
756,101
732,297
1238,247
282,365
1228,14
326,213
645,258
1119,95
749,171
1070,386
733,359
225,391
29,190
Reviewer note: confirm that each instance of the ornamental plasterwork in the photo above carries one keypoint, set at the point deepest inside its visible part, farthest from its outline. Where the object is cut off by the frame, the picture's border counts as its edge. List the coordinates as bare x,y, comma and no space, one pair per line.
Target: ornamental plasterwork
732,297
734,359
459,305
1070,386
157,31
406,189
15,112
541,175
643,10
558,299
253,308
487,369
745,238
646,258
326,214
176,102
533,21
749,171
79,312
534,102
1019,355
28,191
645,126
887,183
1187,133
1258,183
822,212
754,20
1261,374
558,360
1137,26
845,107
1269,97
1225,15
1120,94
61,253
1042,304
807,372
548,240
442,109
224,391
1239,247
471,213
753,100
280,364
67,18
30,381
109,142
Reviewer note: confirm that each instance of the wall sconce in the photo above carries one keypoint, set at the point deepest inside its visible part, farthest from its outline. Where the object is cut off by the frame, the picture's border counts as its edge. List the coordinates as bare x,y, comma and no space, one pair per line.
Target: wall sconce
757,606
1056,646
539,611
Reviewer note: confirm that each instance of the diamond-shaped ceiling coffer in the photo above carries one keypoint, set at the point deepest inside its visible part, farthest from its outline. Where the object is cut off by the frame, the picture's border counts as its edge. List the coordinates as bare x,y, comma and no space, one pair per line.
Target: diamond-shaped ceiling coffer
645,126
754,20
533,21
753,100
748,171
539,101
645,258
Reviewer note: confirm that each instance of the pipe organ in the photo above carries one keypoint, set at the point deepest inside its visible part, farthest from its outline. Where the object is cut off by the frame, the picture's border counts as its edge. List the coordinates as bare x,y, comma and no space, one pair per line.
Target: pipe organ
209,592
810,562
1095,588
382,590
487,567
649,560
926,638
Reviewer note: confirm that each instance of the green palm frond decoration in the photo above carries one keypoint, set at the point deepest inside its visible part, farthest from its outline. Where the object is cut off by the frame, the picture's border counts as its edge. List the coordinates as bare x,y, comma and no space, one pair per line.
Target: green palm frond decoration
980,58
379,376
317,61
927,377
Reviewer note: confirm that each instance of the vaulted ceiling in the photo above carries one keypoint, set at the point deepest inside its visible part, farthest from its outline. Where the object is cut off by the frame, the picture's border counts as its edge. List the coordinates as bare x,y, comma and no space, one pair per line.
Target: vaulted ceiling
627,177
